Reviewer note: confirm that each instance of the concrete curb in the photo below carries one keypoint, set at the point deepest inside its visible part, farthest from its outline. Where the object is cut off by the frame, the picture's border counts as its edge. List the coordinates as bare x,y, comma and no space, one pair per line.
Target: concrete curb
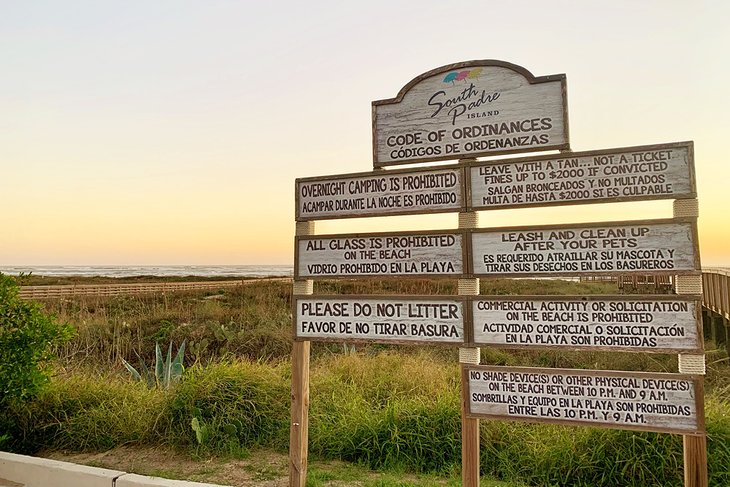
31,472
25,471
134,480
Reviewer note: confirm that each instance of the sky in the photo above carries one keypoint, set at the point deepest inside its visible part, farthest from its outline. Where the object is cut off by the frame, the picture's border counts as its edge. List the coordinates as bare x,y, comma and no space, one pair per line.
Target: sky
171,132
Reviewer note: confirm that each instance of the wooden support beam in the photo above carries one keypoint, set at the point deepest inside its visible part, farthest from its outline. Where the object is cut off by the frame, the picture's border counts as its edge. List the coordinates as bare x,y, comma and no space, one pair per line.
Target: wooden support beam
469,444
469,426
695,461
299,428
695,446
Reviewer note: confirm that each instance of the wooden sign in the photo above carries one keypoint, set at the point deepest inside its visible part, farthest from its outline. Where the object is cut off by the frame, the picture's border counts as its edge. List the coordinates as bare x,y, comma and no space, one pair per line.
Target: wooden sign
633,247
470,109
670,403
613,323
426,190
413,254
627,174
425,319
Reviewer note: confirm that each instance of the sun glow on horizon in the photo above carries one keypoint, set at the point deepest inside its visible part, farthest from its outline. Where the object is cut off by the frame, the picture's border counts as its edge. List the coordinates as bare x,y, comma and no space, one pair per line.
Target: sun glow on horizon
149,138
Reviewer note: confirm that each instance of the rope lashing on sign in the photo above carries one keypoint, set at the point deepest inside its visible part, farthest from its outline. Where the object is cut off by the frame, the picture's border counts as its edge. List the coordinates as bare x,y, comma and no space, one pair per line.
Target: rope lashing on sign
686,208
303,287
468,219
469,356
692,364
468,287
688,284
305,228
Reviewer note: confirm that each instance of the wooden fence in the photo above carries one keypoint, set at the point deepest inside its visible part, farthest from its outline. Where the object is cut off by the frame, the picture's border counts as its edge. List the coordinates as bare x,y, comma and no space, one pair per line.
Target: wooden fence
716,306
643,284
716,295
63,291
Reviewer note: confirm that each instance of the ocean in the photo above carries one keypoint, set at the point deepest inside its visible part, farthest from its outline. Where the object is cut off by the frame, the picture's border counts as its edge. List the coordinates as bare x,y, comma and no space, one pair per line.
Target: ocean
153,270
232,271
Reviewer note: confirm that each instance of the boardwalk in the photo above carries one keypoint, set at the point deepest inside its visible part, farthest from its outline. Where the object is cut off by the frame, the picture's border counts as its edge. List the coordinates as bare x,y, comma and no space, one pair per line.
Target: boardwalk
716,295
716,304
63,291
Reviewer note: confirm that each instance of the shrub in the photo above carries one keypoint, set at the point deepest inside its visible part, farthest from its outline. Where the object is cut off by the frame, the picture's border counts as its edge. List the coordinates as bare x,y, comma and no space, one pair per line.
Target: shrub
28,337
230,408
387,411
88,412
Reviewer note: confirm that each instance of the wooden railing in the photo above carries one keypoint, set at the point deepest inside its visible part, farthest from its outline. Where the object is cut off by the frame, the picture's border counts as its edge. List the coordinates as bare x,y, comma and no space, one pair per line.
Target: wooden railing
716,291
644,284
716,307
654,284
62,291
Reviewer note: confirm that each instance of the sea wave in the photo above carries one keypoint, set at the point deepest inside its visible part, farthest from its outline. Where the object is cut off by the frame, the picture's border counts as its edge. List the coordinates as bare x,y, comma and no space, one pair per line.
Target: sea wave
153,270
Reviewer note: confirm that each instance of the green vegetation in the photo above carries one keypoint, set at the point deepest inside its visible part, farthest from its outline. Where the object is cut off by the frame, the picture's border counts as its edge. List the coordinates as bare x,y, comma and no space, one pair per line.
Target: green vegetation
166,372
27,340
385,411
395,409
246,322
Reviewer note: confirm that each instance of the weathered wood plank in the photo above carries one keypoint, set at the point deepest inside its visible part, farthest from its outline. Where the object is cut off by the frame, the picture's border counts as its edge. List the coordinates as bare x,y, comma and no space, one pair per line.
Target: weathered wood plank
612,323
670,403
470,109
407,320
610,175
413,254
634,247
425,190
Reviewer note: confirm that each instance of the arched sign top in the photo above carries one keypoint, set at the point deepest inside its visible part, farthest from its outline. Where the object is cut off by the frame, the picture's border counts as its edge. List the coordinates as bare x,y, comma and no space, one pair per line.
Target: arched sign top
470,64
471,109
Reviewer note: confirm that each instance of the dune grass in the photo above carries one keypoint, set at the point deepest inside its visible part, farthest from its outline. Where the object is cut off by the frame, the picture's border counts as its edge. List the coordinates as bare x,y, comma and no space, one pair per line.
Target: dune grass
385,407
251,322
386,411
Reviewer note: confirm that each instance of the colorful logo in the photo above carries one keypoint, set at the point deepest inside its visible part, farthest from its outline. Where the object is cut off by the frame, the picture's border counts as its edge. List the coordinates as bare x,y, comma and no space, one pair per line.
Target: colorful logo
454,76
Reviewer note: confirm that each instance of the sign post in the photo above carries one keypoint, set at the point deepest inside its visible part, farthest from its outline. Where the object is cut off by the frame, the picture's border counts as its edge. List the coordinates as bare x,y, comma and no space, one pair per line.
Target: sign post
469,356
694,446
486,108
299,424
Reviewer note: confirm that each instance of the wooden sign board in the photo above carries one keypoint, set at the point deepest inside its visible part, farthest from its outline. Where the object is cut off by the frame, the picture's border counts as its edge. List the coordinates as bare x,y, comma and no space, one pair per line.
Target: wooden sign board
633,247
417,319
413,254
425,190
613,323
670,403
470,109
612,175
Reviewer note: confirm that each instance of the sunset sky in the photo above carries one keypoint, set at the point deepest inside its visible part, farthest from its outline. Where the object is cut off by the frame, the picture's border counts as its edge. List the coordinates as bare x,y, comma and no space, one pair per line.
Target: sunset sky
171,132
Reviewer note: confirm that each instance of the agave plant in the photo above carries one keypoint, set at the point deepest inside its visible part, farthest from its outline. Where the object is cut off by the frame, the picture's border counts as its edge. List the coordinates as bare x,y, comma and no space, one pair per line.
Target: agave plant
166,372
